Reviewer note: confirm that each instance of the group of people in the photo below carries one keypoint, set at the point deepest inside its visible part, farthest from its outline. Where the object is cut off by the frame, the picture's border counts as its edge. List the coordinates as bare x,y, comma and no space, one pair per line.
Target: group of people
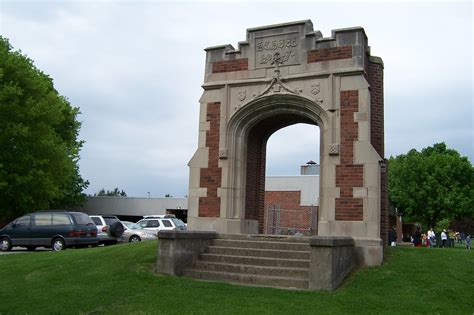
445,239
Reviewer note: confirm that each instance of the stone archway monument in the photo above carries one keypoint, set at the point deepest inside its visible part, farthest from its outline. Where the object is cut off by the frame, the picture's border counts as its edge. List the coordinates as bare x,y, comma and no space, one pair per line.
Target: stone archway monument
282,75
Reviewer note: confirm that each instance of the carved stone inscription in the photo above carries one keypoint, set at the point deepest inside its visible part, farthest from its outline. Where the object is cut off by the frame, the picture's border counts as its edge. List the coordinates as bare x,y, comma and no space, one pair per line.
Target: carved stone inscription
287,45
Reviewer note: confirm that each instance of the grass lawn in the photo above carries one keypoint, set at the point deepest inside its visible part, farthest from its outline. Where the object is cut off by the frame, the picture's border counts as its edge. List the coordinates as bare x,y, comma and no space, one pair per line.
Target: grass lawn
118,279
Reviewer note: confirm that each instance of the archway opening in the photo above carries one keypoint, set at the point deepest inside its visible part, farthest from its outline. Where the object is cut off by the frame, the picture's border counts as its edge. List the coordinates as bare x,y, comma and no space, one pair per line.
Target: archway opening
256,152
292,181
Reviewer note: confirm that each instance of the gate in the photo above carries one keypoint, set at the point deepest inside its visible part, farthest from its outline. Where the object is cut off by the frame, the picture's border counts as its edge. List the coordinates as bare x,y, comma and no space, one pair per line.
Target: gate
302,221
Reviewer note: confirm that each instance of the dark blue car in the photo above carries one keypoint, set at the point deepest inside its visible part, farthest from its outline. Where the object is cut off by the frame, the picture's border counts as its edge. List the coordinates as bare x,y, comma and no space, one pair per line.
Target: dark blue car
55,229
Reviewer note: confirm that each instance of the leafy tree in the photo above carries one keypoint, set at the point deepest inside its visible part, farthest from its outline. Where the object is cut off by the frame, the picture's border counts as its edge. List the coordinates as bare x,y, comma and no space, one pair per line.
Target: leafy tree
111,193
432,185
38,140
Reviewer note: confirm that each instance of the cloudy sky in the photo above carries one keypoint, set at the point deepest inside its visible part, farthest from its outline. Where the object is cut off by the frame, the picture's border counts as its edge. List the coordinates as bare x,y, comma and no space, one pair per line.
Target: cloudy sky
135,69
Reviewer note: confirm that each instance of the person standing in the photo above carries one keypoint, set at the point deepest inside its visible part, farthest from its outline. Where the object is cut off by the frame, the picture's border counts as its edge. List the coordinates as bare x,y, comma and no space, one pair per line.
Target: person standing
417,237
468,241
431,237
444,238
392,237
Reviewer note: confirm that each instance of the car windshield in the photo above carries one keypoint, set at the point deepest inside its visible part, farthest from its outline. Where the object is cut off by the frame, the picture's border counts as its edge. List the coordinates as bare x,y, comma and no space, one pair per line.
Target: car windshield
110,220
131,225
82,218
178,222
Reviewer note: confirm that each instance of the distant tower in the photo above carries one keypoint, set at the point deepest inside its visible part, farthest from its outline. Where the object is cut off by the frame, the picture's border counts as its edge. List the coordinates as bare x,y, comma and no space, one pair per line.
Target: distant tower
311,168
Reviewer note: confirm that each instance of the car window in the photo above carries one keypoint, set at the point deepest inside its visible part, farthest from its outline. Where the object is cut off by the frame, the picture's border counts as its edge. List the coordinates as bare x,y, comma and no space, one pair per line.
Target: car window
43,219
178,222
131,225
142,224
167,223
23,221
82,218
153,223
109,221
97,220
61,219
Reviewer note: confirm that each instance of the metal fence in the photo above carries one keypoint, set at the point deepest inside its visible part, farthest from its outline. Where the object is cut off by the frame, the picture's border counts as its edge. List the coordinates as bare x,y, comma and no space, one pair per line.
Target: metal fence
291,221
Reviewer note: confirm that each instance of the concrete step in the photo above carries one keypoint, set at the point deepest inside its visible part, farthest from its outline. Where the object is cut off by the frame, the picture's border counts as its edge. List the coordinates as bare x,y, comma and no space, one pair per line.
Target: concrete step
256,261
237,251
297,273
279,282
262,244
266,237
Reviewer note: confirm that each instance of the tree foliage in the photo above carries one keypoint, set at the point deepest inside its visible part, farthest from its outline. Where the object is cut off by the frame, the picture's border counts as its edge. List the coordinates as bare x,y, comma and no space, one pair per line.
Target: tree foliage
38,139
432,185
111,193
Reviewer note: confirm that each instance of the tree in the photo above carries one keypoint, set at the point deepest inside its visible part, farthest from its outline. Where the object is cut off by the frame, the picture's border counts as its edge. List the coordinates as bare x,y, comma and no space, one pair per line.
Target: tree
38,139
432,185
111,193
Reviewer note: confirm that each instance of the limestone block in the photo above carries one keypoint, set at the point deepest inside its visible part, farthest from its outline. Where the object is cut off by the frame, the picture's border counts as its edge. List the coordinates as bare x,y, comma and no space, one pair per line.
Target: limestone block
210,96
198,192
202,139
369,251
206,224
200,158
205,126
358,116
178,249
373,230
372,176
364,100
359,192
331,259
354,83
193,207
194,177
372,211
323,228
365,153
373,192
348,228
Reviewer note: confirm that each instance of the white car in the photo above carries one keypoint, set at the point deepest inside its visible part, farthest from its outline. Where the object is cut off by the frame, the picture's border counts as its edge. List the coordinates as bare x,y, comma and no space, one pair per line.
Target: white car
158,223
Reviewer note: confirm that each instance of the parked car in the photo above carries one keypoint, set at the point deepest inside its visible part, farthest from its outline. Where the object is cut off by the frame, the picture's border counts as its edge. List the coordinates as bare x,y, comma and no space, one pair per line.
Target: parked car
109,228
55,229
134,233
158,223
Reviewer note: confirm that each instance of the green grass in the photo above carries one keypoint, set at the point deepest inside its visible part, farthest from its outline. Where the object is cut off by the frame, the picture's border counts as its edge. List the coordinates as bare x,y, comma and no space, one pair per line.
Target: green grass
119,279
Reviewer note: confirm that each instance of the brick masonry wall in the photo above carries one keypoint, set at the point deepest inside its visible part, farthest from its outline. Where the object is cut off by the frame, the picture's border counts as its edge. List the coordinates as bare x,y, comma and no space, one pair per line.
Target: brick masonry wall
377,139
292,215
230,65
327,54
209,206
376,107
255,175
349,175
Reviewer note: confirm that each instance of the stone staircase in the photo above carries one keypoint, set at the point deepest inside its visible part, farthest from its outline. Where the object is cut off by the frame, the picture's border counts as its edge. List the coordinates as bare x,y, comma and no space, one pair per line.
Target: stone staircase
259,260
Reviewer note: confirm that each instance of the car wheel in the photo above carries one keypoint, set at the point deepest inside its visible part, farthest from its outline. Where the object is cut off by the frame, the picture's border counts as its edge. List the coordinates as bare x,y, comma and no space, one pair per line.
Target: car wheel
116,229
134,239
30,248
58,244
5,244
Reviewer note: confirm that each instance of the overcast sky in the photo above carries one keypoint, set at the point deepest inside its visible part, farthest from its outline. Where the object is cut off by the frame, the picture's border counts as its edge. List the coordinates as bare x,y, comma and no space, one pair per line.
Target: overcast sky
135,69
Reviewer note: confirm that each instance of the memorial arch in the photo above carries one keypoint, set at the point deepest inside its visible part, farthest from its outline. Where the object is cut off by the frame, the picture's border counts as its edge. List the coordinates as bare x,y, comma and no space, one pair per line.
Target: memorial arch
279,76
